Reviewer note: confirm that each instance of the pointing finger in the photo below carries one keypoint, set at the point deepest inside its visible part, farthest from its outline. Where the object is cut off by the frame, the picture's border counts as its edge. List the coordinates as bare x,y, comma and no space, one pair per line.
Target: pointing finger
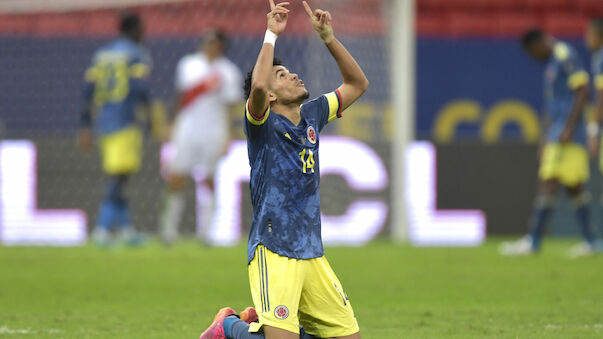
307,8
272,5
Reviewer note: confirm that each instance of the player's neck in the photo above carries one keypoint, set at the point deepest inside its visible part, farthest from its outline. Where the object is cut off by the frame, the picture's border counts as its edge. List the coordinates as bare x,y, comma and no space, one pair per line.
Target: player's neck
290,111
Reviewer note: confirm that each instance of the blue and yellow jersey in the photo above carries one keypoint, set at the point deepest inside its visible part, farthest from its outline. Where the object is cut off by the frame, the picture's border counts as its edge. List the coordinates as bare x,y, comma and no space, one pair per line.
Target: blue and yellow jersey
115,84
564,74
285,177
597,69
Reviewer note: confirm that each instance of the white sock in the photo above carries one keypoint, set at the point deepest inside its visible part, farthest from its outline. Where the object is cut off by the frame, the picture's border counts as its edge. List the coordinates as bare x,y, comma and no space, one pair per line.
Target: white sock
205,210
172,215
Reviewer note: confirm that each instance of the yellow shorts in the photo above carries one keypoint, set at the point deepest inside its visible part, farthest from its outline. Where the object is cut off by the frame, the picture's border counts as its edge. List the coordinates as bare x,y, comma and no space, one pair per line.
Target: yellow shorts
121,151
567,163
289,293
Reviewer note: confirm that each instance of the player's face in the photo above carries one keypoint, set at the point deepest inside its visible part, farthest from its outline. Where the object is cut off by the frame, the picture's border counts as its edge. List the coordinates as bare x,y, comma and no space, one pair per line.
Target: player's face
539,51
287,87
592,39
213,47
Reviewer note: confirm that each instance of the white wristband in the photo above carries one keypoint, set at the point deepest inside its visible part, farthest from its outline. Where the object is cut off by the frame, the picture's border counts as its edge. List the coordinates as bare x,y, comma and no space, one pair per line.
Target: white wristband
270,37
592,129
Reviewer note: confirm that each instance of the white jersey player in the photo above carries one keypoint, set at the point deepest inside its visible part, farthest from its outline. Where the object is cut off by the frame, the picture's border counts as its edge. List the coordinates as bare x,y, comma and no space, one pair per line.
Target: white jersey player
207,84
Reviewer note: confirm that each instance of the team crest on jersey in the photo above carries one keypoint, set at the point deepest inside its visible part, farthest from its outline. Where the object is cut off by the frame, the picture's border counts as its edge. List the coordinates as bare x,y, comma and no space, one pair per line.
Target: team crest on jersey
281,312
311,135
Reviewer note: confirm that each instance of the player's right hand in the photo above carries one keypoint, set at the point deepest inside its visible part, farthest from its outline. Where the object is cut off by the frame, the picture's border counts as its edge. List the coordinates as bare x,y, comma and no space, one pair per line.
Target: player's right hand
84,139
277,18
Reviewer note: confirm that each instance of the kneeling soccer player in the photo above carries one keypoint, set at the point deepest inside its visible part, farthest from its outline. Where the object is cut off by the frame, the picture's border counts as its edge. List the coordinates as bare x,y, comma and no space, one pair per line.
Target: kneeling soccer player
291,281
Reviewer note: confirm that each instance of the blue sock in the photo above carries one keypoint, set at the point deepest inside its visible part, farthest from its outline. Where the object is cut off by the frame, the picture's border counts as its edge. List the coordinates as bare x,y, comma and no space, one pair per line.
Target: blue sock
582,212
235,328
124,217
107,214
540,218
116,196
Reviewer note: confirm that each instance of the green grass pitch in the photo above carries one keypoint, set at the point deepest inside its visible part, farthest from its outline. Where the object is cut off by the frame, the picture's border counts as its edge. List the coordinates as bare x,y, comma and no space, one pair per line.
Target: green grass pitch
396,291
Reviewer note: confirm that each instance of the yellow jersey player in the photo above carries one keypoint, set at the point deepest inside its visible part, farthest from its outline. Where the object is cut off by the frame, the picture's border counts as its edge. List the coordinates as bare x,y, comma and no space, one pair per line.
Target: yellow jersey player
564,158
292,284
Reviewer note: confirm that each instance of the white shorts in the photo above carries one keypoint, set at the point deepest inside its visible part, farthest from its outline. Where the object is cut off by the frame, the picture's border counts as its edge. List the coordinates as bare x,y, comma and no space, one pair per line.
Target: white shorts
196,145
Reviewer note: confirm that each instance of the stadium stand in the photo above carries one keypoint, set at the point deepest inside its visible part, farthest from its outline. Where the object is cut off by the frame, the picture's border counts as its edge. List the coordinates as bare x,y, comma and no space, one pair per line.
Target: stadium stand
435,17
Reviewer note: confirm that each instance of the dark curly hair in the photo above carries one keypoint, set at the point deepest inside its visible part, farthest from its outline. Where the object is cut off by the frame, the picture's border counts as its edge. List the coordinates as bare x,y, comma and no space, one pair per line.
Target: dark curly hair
530,37
247,86
597,24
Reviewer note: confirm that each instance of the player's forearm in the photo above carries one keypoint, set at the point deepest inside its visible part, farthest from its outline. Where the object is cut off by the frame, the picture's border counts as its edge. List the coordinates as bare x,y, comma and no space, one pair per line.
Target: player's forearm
86,116
350,71
580,97
261,77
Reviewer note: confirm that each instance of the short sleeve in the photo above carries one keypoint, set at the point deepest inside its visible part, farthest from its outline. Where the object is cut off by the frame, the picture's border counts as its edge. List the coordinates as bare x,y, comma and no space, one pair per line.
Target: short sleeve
572,66
255,127
325,108
140,67
179,78
255,119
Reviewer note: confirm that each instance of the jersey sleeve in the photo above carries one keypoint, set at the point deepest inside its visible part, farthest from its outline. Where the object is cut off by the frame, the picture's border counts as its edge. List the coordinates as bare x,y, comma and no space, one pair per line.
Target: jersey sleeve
180,76
255,126
139,74
572,66
325,108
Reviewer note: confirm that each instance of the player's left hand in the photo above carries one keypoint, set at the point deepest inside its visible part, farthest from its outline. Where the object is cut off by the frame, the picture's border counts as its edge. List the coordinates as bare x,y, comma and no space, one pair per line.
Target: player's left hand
321,22
566,136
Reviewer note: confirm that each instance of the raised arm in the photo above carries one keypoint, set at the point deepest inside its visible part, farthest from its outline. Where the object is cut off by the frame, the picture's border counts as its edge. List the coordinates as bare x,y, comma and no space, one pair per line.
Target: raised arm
258,97
355,82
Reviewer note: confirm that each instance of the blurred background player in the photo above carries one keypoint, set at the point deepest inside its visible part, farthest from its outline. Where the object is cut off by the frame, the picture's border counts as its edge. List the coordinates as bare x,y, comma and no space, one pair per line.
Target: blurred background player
116,85
594,42
207,86
563,155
